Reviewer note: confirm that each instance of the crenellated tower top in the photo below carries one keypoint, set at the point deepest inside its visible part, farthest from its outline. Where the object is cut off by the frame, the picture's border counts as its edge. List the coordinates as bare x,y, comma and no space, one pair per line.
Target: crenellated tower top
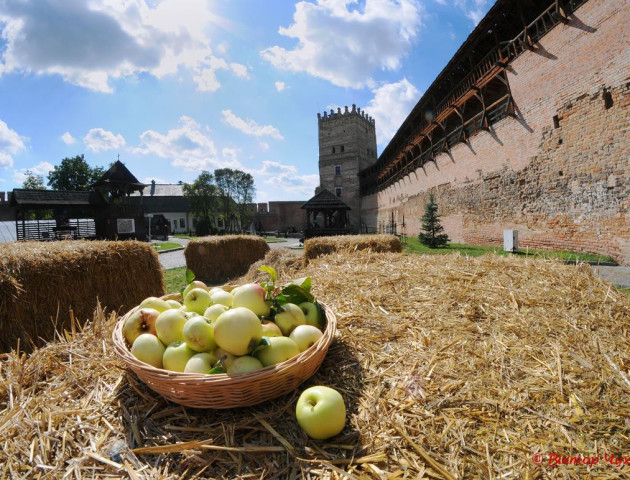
356,111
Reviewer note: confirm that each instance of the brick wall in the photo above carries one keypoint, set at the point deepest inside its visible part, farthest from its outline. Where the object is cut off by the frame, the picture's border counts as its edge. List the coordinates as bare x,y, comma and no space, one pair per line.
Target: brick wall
562,183
282,216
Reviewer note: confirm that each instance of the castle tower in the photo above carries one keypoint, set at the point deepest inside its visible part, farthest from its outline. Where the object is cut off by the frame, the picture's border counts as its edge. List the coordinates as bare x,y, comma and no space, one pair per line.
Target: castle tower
347,145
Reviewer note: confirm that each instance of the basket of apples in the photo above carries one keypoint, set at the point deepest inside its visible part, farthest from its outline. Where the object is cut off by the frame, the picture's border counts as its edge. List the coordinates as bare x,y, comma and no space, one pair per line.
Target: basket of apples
229,346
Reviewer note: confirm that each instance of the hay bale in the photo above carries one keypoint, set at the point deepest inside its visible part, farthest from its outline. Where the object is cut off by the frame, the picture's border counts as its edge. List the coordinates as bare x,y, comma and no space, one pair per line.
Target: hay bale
450,367
41,282
217,259
318,246
286,262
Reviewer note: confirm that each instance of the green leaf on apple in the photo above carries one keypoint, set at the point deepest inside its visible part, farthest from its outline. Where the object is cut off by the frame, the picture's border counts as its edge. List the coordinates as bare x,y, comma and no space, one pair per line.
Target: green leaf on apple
217,369
270,271
264,342
181,292
190,276
304,282
296,294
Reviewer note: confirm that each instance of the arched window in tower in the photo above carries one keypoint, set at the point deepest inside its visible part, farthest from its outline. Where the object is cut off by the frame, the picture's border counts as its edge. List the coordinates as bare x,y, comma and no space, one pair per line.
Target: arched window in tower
337,170
338,191
333,149
342,149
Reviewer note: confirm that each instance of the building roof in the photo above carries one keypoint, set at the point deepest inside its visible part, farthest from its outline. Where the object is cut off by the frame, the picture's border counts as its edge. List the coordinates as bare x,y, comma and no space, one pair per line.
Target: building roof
162,190
50,198
118,176
325,200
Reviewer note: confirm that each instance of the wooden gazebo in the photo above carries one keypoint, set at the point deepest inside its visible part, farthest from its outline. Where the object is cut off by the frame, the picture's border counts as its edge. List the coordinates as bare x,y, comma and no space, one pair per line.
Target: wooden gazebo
326,214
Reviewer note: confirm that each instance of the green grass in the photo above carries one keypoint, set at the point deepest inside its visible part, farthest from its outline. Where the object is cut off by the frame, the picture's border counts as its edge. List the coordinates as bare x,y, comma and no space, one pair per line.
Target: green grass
174,279
275,240
413,245
165,246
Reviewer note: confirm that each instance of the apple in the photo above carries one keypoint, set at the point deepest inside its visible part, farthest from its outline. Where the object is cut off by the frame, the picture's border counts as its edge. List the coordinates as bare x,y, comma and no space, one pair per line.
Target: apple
244,364
311,313
213,311
222,297
200,363
278,350
197,300
252,296
170,325
270,329
174,303
140,321
224,357
193,284
198,334
148,349
288,317
321,412
176,356
305,335
238,331
155,303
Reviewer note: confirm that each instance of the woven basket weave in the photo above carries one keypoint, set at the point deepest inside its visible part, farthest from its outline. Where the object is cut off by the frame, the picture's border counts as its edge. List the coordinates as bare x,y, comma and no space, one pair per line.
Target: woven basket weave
228,391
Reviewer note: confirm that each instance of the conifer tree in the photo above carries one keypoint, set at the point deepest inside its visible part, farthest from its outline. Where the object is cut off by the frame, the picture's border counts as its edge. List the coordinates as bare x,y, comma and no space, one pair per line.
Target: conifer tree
431,234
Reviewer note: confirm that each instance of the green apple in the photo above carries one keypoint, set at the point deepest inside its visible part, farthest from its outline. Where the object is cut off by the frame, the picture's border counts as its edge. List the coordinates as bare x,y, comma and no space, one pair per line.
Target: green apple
238,331
305,336
139,322
270,329
222,297
176,356
311,313
321,412
155,303
198,333
197,300
252,296
213,311
288,317
193,284
244,364
170,325
148,349
278,350
200,363
174,303
224,357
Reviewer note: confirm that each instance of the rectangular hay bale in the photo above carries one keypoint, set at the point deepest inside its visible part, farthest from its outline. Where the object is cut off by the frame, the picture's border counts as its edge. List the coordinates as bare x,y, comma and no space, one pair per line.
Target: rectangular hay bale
40,283
219,258
318,246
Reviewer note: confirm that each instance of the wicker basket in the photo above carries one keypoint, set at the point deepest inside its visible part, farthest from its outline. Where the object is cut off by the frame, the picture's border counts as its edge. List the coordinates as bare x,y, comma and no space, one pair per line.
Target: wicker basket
228,391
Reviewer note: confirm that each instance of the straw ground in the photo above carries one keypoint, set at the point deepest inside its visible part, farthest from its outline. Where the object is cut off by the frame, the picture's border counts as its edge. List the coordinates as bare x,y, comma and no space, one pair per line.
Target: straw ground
451,367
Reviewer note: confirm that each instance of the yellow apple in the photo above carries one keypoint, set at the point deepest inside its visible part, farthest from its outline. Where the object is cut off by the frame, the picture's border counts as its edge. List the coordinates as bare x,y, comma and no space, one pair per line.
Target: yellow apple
238,331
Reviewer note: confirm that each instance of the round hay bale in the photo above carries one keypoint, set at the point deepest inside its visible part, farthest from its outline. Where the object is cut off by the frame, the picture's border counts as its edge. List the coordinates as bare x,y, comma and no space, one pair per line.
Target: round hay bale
216,259
41,282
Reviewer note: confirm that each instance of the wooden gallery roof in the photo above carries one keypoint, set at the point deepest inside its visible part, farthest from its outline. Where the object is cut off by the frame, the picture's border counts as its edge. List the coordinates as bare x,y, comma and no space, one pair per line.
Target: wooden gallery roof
471,92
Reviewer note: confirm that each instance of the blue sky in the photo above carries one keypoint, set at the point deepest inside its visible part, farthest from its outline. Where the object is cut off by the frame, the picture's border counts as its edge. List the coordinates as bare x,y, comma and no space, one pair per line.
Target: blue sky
179,86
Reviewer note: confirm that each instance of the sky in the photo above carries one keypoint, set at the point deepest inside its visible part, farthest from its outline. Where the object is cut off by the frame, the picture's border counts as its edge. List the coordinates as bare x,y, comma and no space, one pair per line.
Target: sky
175,87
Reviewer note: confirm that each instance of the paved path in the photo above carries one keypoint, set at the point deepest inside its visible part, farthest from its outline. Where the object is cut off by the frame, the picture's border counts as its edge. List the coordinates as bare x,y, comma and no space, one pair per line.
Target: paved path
619,276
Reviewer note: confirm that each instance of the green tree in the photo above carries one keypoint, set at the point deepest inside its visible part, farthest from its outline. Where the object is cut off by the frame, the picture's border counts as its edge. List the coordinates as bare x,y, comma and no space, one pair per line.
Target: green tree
226,180
431,234
202,197
74,174
33,181
245,191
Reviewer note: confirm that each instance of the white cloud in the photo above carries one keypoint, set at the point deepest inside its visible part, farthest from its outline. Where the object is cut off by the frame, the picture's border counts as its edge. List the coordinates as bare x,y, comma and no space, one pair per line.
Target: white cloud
42,169
390,106
475,10
68,139
344,44
100,140
280,86
188,146
10,143
90,44
286,179
250,127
